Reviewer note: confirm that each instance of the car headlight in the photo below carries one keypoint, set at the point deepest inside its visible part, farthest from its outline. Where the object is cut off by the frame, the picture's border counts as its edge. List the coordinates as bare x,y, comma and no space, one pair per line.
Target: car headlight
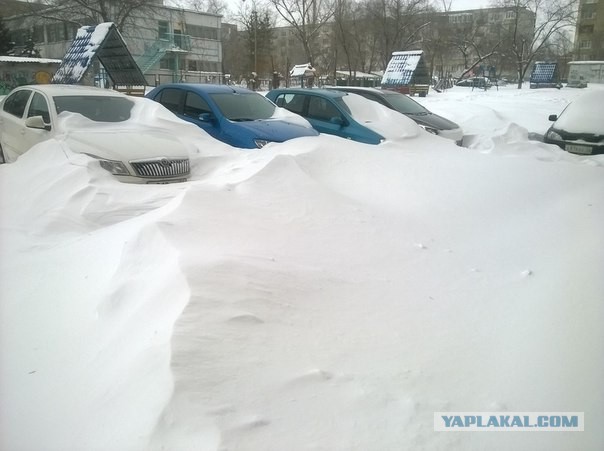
260,143
115,167
553,135
429,129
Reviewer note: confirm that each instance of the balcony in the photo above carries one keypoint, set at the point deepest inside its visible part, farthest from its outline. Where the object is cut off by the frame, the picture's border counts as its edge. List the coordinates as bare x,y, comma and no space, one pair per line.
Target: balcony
167,43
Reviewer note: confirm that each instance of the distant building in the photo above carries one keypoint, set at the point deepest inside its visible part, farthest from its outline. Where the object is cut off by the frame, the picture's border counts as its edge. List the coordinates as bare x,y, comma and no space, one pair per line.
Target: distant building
170,45
585,72
16,71
589,35
446,43
288,50
455,30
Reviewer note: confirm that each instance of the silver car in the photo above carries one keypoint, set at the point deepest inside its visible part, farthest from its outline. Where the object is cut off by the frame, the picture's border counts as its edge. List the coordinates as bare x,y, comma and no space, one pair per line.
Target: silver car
102,128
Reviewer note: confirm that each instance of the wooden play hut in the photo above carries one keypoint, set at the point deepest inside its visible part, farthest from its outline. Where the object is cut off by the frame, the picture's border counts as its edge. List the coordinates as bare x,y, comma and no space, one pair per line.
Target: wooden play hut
407,73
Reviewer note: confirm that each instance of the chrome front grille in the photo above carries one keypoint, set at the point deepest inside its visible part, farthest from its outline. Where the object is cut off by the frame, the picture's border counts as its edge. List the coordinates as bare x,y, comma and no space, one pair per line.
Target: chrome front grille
162,167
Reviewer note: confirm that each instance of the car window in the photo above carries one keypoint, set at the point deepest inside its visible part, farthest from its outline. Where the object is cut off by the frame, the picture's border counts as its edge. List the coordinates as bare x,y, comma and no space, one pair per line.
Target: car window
96,108
371,96
291,102
322,109
403,104
195,105
39,107
15,103
170,98
244,106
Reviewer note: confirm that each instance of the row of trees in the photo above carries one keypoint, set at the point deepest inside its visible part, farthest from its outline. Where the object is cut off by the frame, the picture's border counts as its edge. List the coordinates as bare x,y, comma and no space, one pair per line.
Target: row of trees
362,34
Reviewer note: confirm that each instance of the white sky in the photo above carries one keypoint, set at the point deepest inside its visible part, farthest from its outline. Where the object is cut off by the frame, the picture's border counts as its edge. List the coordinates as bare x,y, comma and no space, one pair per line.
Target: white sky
469,4
315,294
456,4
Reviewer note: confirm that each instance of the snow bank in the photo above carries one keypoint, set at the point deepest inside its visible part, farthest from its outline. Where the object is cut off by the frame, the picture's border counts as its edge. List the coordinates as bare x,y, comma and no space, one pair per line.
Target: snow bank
90,290
317,294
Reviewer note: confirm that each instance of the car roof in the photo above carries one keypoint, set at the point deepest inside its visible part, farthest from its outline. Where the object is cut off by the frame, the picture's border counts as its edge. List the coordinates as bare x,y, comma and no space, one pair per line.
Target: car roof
357,88
207,88
377,91
318,91
73,90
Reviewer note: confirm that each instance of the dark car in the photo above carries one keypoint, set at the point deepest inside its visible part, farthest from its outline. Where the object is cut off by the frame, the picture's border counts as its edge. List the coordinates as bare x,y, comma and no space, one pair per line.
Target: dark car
432,123
236,116
579,128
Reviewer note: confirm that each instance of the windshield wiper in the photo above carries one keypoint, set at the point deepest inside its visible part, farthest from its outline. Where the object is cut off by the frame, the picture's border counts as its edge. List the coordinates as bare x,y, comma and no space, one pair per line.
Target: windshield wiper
243,119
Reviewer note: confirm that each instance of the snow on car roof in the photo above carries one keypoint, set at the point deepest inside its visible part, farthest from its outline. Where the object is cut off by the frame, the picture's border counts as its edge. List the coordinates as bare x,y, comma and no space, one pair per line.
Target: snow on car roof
67,90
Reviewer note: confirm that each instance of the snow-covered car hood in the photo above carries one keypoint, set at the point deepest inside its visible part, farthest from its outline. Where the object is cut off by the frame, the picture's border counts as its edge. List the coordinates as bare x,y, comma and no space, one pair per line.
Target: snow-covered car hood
119,141
382,120
584,115
127,145
287,116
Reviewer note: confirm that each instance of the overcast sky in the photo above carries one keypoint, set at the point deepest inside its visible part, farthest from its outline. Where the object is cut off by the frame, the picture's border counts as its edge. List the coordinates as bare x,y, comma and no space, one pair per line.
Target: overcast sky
468,4
456,4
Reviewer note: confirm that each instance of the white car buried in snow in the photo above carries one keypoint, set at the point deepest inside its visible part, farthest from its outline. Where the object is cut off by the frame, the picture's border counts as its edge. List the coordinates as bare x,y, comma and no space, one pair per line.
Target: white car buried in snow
93,121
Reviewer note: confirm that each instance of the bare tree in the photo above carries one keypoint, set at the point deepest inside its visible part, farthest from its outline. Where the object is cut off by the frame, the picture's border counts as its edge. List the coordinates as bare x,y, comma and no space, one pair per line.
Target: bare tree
92,12
474,44
204,6
307,17
397,24
551,17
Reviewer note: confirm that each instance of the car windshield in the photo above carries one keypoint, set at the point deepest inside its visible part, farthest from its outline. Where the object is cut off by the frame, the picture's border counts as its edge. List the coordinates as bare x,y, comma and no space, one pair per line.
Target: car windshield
96,108
244,107
403,104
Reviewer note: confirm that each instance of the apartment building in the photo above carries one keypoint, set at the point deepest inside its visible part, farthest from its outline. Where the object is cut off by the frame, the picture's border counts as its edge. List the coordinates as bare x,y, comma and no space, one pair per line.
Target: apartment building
453,41
169,44
589,35
450,42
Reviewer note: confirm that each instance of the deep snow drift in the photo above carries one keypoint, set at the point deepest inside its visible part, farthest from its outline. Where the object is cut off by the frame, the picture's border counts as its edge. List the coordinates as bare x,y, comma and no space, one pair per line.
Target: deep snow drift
318,294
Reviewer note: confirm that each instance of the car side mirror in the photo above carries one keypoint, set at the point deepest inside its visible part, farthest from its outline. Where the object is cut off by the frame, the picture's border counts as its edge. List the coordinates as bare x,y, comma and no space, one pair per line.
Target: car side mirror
338,121
553,117
206,117
37,122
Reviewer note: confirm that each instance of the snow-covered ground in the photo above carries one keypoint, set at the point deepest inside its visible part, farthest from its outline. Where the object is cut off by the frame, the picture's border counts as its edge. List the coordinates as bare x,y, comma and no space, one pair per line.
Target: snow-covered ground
315,295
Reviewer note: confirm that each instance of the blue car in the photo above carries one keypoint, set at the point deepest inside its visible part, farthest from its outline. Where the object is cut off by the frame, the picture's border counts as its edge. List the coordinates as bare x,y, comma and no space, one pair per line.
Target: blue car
236,116
328,111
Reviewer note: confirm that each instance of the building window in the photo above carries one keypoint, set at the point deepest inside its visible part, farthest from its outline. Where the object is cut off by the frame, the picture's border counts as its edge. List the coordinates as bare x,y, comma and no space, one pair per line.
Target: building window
460,18
510,15
57,32
38,35
167,62
494,17
163,28
209,66
588,15
586,29
585,44
192,65
199,31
